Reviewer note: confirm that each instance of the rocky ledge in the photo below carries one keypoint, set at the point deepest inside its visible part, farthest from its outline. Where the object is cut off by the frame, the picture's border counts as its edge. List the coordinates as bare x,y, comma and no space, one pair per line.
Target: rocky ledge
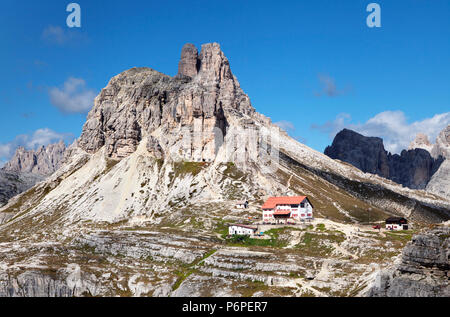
423,270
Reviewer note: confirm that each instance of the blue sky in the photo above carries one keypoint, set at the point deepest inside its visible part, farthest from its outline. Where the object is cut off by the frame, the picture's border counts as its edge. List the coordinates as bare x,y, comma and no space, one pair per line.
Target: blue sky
313,66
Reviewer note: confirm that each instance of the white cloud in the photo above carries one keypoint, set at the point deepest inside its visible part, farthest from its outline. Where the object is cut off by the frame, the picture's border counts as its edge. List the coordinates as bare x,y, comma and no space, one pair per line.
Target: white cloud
74,97
44,137
32,141
290,129
55,34
285,125
329,87
391,126
333,127
5,150
62,36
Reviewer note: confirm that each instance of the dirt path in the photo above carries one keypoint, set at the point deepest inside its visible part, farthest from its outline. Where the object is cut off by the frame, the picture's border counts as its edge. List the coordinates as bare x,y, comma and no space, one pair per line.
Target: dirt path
289,182
302,285
345,252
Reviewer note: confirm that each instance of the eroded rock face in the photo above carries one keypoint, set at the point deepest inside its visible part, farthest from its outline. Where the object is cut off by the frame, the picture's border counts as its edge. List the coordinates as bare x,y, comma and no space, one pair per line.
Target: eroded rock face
423,271
421,142
442,145
189,62
413,168
440,182
189,113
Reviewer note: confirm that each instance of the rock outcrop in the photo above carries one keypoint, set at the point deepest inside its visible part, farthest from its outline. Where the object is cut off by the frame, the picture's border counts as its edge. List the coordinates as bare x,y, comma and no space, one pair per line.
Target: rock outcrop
424,270
421,142
442,145
189,112
189,62
440,182
413,168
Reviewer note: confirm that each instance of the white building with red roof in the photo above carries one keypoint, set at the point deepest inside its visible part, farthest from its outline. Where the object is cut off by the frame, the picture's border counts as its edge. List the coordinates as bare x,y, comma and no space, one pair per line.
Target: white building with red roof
283,209
242,230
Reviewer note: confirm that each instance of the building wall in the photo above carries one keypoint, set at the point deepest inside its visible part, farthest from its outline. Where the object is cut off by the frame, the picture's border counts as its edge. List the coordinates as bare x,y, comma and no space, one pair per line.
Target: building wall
297,213
394,226
239,230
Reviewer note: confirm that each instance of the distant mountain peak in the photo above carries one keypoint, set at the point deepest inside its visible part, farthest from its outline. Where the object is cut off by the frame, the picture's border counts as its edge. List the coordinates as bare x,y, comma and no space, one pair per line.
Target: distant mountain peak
421,142
413,168
43,161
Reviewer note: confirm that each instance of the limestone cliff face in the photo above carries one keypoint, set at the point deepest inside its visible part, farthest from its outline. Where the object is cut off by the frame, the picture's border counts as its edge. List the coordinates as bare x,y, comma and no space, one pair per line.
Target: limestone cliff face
413,168
189,62
442,145
423,271
187,115
440,182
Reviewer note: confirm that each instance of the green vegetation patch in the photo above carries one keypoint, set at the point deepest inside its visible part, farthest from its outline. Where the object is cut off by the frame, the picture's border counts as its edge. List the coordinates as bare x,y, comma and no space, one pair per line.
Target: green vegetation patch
233,172
318,244
320,227
279,238
242,240
183,168
187,270
402,236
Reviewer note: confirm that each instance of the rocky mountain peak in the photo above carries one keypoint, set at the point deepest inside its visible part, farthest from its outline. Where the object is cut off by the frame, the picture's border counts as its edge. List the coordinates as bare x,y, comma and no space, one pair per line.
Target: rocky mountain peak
421,142
43,161
413,168
442,145
189,62
184,115
365,153
210,65
214,66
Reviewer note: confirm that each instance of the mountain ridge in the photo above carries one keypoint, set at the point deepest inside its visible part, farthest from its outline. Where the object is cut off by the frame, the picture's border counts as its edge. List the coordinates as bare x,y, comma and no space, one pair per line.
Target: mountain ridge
413,168
28,167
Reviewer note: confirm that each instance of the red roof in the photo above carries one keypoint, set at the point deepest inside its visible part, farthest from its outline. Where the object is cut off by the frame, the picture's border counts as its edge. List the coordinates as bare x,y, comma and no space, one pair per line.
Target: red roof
272,202
281,213
244,226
